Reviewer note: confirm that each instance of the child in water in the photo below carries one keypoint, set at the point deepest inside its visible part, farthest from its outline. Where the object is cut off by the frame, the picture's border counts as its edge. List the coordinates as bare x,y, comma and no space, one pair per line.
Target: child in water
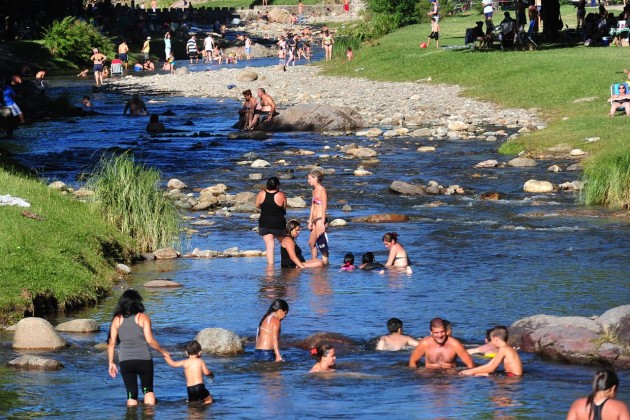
368,263
488,349
396,340
348,262
505,354
326,359
194,369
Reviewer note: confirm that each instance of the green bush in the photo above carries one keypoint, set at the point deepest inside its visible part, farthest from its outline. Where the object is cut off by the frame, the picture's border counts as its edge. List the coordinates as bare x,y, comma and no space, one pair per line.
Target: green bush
607,179
341,46
129,197
73,40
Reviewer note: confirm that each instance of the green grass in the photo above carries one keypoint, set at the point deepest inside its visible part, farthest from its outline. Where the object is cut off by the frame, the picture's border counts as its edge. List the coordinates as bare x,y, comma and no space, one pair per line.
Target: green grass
67,259
608,179
129,198
549,79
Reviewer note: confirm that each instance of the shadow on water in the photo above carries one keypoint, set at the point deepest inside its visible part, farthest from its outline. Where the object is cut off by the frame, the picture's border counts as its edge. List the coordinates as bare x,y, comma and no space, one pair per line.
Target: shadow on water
476,263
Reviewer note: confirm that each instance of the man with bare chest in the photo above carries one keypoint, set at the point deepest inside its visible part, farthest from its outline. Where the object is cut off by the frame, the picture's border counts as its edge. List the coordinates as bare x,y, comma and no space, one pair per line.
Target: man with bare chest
439,350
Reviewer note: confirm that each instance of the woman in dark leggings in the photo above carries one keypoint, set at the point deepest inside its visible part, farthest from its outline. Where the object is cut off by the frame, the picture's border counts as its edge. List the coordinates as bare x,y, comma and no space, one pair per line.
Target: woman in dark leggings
131,328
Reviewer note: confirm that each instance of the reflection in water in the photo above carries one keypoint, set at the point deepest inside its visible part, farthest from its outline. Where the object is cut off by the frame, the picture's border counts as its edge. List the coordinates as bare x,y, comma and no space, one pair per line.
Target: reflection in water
320,284
278,283
272,387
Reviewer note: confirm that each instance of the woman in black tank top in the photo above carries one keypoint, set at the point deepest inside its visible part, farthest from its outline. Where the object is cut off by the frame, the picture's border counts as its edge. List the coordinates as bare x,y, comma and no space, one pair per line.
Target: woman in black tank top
273,206
601,403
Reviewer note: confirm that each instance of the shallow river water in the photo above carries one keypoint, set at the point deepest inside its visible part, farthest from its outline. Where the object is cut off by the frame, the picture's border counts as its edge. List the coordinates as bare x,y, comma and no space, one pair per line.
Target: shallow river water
476,263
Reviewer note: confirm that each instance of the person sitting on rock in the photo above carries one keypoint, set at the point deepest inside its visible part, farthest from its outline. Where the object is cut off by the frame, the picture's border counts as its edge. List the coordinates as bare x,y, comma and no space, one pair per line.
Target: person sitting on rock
265,109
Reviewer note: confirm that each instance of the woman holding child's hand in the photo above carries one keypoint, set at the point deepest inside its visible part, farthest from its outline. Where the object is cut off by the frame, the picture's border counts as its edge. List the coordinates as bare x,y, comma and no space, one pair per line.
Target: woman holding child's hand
131,328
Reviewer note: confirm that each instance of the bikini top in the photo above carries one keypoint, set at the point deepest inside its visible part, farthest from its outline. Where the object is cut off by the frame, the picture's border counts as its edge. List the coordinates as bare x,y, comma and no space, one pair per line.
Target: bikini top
317,200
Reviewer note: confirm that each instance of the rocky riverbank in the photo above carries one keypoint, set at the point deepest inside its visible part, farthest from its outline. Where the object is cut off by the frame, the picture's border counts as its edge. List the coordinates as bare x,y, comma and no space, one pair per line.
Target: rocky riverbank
386,104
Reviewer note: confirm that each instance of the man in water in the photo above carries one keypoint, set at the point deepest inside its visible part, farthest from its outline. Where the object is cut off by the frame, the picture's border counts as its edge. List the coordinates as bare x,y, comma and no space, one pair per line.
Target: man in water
135,106
439,350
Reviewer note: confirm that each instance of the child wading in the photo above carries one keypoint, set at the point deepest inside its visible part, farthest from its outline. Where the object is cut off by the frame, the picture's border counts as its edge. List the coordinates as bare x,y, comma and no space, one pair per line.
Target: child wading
194,369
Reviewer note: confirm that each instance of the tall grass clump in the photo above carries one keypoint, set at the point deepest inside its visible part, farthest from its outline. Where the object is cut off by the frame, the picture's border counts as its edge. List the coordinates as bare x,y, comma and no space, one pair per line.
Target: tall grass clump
129,197
607,179
342,43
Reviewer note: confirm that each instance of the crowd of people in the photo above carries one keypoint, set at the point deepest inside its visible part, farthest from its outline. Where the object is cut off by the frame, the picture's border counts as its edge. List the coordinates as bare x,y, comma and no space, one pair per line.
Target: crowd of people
131,331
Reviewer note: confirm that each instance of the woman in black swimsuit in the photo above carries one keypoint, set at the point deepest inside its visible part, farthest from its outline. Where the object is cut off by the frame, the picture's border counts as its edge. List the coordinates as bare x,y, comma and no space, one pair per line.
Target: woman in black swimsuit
601,403
290,253
273,206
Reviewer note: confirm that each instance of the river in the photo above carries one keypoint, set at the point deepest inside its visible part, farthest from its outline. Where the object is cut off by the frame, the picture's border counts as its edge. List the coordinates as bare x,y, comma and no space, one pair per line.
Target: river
476,263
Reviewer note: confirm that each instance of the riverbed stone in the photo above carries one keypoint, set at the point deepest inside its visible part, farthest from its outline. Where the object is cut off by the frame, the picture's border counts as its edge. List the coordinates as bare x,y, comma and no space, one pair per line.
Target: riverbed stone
337,223
361,171
363,152
314,117
554,168
457,126
522,162
535,186
32,362
79,326
577,152
575,167
181,71
176,184
220,341
381,218
616,321
490,163
247,76
215,190
405,188
422,132
58,185
166,253
248,135
426,149
260,163
296,203
122,269
337,340
35,333
162,283
491,196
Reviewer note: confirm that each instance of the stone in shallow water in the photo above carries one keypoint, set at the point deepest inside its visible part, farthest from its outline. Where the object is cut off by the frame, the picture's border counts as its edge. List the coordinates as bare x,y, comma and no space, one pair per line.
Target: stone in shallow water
159,283
35,363
79,326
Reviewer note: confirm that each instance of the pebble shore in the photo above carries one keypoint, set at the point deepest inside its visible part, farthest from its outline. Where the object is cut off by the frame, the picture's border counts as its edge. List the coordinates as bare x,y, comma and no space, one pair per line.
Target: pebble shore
379,103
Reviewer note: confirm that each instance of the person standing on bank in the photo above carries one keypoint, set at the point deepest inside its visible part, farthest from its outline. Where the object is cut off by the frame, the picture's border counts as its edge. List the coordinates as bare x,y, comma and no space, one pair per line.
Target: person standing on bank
131,328
98,59
273,207
317,218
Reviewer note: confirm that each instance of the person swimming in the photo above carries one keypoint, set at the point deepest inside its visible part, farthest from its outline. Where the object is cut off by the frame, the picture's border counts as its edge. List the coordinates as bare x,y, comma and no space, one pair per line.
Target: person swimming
368,263
348,262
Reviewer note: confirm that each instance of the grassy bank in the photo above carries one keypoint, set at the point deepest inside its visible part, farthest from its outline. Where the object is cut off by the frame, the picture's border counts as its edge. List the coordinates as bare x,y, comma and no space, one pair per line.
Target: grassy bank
66,259
549,79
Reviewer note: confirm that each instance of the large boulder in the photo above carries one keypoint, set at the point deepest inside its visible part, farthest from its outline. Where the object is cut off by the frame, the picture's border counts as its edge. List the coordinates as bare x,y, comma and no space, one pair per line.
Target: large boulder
522,162
314,117
162,283
339,341
166,254
31,362
220,341
79,326
405,188
247,76
37,334
381,218
535,186
616,321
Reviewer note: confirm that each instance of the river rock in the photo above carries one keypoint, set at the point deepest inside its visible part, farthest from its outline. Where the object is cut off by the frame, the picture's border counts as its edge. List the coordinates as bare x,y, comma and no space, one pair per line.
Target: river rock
577,152
574,167
122,269
490,163
166,254
215,190
360,171
362,153
247,76
616,321
205,202
279,15
426,149
248,135
176,184
31,362
534,186
58,185
405,188
79,326
260,163
381,218
181,71
422,132
161,283
314,117
339,341
371,132
37,334
296,203
220,341
491,196
554,168
337,223
522,162
457,126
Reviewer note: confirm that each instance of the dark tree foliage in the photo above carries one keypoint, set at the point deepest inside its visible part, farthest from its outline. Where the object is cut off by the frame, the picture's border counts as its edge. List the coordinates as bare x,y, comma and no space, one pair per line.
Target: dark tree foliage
403,12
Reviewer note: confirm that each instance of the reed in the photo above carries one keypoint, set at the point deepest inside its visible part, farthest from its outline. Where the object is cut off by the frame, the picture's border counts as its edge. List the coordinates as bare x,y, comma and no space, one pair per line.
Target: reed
607,179
342,43
129,197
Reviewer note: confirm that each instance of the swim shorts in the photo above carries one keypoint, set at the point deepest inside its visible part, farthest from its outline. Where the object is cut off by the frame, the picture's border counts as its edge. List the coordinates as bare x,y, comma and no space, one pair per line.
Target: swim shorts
193,54
275,232
197,393
15,110
264,355
435,35
98,67
123,57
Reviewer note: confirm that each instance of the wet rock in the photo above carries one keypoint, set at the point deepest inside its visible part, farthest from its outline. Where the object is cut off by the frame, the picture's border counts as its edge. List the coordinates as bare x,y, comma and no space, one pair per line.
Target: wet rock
346,207
339,341
162,283
426,149
372,132
421,132
337,223
491,196
381,218
362,153
296,203
37,334
220,341
360,171
166,254
260,163
148,256
79,326
457,126
205,202
176,184
247,76
616,321
522,162
255,177
554,168
571,186
215,190
123,269
197,253
534,186
490,163
248,135
31,362
314,117
405,188
574,167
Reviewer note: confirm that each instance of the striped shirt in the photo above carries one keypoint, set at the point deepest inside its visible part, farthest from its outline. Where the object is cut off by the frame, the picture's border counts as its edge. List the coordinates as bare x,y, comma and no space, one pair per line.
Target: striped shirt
191,46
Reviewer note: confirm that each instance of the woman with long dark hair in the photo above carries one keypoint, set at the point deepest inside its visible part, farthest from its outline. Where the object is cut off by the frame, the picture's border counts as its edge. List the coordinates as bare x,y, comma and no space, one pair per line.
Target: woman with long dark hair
601,403
273,206
268,335
131,328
